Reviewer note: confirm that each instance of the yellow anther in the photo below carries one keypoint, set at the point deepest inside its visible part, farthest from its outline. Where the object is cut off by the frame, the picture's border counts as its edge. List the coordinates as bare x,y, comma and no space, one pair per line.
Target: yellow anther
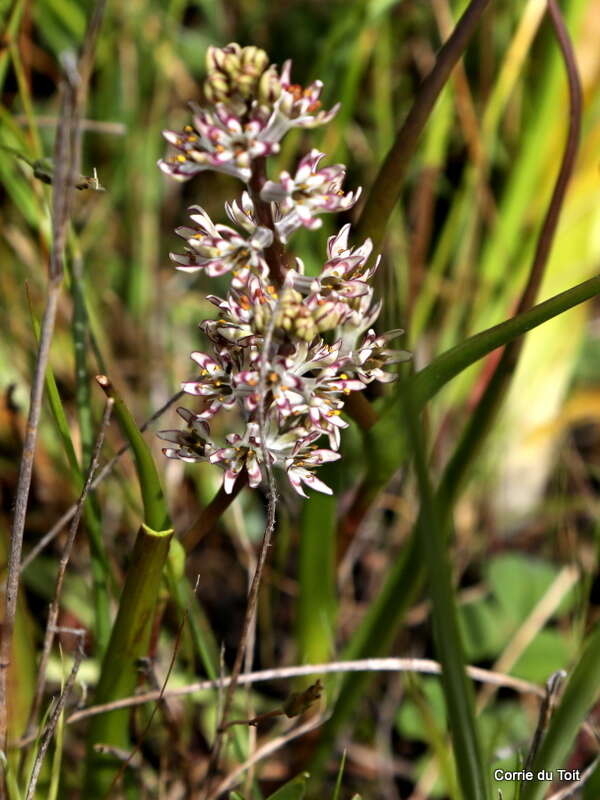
181,158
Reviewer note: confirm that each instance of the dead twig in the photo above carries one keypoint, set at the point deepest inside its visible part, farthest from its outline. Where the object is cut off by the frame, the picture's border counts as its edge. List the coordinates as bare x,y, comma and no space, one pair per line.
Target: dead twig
262,556
553,687
62,568
267,750
571,791
421,665
66,168
53,721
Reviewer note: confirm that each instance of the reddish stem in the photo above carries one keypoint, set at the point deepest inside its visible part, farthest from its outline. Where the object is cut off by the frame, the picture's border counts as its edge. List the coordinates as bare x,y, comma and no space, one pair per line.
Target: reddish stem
212,513
275,255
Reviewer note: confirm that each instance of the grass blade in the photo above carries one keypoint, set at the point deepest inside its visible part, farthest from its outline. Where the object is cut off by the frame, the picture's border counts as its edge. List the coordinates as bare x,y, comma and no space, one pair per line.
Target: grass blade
388,184
442,369
316,603
458,690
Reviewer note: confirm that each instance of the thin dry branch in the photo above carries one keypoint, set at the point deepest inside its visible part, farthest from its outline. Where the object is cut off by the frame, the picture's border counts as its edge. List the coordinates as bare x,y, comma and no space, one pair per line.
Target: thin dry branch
66,169
252,602
266,750
66,161
421,665
574,788
53,721
554,685
62,568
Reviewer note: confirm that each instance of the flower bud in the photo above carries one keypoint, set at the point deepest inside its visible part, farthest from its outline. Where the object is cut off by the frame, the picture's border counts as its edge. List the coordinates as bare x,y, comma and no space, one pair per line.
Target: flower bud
269,87
233,72
327,316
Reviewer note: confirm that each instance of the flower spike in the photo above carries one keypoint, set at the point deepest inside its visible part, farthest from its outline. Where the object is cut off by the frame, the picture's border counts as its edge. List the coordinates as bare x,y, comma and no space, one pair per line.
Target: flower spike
323,343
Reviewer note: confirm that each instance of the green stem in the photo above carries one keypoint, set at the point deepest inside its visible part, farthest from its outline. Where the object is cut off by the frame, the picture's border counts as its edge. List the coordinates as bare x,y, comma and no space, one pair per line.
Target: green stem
157,519
130,636
388,184
129,642
431,531
156,514
428,382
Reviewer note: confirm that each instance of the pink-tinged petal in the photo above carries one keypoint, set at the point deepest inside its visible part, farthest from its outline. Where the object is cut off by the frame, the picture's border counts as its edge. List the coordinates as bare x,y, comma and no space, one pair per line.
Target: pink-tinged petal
198,389
273,192
189,458
338,244
229,479
314,413
262,237
188,267
204,361
254,472
251,401
210,410
295,481
297,474
316,484
204,222
253,431
384,377
218,267
223,454
321,456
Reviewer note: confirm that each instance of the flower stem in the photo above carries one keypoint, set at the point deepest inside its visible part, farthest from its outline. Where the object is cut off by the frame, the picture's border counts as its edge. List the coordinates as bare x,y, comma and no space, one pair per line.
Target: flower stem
275,254
212,513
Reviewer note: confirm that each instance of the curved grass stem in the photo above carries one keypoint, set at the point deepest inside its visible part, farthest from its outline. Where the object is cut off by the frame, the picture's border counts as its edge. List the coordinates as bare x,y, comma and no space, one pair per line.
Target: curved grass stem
386,189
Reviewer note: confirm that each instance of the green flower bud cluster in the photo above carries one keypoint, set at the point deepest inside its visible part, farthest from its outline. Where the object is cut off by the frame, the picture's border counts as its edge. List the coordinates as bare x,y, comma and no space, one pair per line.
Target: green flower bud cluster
296,318
239,75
